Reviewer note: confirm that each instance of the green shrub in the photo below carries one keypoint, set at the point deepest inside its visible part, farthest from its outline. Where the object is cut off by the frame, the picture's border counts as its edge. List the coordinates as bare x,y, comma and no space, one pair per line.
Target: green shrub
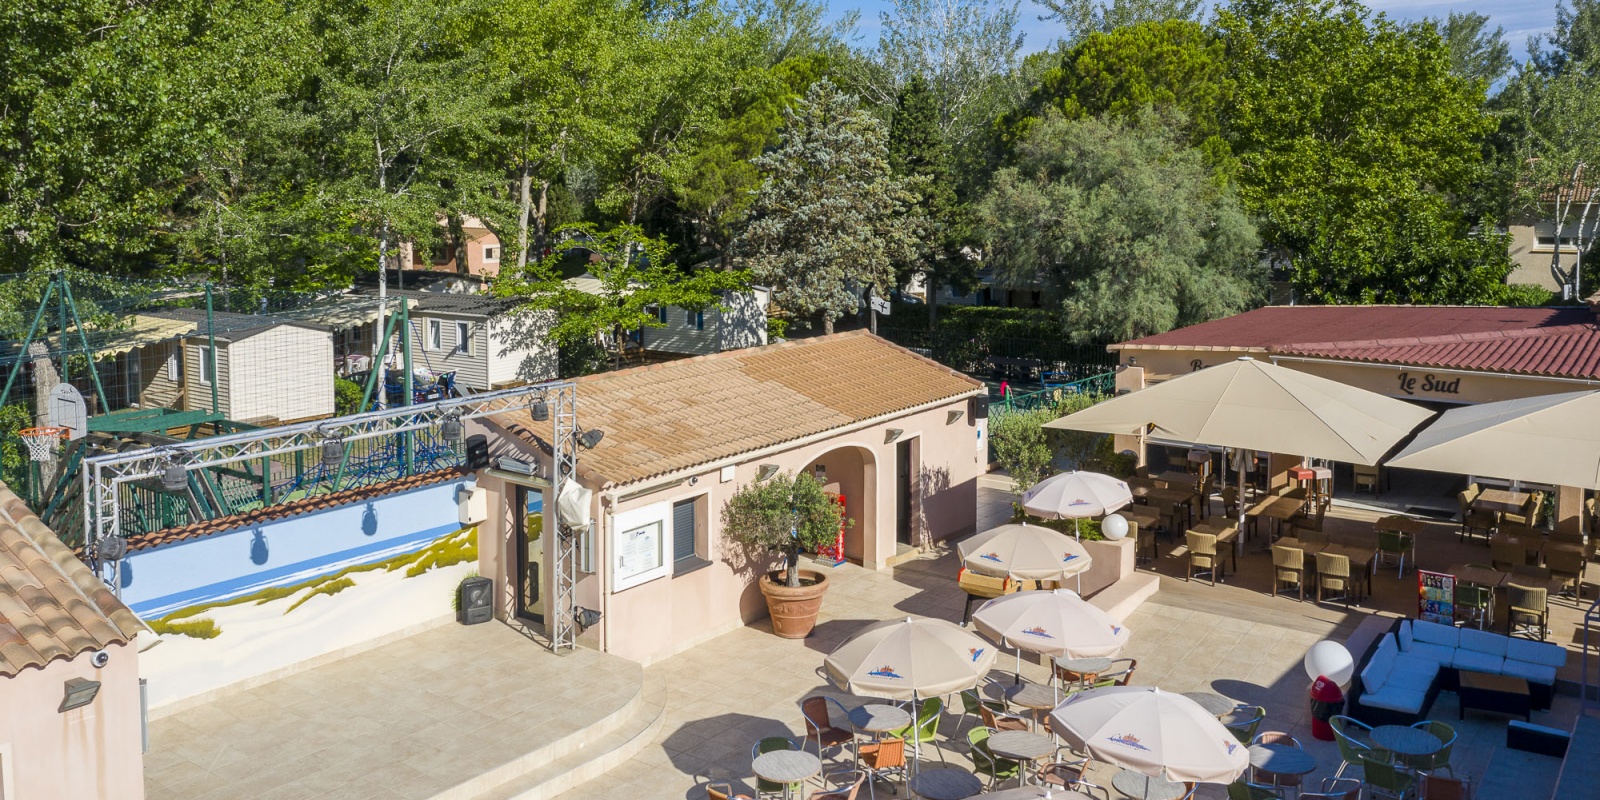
347,396
1021,445
1524,294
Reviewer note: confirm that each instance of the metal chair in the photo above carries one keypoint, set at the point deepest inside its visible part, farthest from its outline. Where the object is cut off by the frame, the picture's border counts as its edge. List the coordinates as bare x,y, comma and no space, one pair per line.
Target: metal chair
845,785
1437,788
1528,610
984,760
973,706
1288,566
1396,544
1244,790
724,791
1333,573
767,745
1350,735
819,723
1264,778
884,756
1203,554
1244,721
1382,779
1068,775
1438,760
1335,789
1118,674
1474,603
926,728
1569,566
1003,721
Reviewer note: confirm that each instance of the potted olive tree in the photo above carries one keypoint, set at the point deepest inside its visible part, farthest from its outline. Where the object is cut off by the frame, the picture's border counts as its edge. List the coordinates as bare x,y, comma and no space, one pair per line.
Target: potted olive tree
786,514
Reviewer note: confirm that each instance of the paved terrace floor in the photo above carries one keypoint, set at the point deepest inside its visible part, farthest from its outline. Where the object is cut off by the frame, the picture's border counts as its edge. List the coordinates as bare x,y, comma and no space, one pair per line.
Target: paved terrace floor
1231,639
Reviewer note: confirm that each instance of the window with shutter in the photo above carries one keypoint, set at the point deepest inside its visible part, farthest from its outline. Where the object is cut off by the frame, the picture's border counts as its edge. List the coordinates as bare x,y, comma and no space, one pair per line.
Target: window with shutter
683,530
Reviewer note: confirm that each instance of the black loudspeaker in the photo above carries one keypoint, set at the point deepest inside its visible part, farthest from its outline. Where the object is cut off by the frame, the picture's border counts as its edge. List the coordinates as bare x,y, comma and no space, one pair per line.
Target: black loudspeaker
477,451
474,601
978,408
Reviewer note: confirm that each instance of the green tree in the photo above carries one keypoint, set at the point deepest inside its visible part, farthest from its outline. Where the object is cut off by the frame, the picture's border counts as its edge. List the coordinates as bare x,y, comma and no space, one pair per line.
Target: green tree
1084,17
1022,445
918,154
635,277
1574,43
1476,53
830,219
1123,222
1356,144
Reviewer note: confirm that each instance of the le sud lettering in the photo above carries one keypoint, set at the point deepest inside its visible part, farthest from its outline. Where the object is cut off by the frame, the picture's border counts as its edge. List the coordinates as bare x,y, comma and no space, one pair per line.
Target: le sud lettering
1411,384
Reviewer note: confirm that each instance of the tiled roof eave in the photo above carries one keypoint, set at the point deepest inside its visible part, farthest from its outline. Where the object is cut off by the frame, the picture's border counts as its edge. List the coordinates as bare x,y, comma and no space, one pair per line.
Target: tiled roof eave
1424,363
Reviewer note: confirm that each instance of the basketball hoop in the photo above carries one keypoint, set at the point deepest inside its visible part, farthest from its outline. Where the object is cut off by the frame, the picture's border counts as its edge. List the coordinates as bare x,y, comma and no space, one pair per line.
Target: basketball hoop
41,442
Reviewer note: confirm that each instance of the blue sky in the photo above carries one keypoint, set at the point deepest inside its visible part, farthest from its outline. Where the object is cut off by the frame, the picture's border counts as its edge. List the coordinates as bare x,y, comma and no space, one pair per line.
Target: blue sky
1520,18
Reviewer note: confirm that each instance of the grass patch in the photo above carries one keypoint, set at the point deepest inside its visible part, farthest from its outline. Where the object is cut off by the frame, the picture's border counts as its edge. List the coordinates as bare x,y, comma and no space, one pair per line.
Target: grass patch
203,628
329,588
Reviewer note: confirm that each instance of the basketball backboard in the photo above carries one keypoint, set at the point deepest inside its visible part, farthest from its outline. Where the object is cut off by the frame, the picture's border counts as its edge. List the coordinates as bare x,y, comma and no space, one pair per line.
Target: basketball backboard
67,410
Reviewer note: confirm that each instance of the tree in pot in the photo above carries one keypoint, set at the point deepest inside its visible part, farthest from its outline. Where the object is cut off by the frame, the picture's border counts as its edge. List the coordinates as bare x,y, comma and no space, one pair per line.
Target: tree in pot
786,514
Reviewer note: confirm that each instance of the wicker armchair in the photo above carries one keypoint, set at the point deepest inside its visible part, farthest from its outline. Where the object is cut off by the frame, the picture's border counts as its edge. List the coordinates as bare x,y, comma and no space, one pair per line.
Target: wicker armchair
1288,567
1203,556
1333,574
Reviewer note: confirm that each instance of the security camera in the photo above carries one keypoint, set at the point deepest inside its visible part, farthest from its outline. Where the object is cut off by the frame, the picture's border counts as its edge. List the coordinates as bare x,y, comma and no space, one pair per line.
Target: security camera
100,658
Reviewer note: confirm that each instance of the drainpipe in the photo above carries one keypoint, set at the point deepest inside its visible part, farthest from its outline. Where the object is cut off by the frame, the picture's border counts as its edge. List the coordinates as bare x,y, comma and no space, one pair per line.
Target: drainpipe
603,531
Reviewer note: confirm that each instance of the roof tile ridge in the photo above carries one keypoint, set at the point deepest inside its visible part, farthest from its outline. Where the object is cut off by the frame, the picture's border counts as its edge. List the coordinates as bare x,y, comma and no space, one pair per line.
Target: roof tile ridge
1444,338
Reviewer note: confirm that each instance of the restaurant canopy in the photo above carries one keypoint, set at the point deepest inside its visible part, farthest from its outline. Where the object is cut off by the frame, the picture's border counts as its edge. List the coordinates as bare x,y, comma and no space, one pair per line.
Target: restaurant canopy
1547,439
1255,405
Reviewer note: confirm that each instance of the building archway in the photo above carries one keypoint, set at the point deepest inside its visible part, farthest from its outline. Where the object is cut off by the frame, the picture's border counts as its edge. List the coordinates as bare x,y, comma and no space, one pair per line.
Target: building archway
851,471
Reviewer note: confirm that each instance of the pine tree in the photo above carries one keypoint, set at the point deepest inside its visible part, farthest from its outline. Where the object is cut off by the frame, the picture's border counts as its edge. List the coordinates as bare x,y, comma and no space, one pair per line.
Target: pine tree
830,220
918,154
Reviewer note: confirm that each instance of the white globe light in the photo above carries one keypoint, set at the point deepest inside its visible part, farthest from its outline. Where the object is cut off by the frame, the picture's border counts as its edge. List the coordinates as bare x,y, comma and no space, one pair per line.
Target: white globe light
1330,659
1114,527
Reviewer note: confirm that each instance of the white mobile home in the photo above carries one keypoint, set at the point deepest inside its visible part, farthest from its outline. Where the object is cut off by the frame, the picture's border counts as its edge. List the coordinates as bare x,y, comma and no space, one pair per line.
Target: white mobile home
265,371
480,338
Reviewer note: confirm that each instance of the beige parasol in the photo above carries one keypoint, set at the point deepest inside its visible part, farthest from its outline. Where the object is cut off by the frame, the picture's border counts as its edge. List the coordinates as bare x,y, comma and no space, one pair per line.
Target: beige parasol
1259,406
1548,439
1162,734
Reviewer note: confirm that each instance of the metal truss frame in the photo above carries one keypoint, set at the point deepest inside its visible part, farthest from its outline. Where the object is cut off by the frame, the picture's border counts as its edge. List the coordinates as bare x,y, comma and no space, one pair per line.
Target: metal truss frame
103,475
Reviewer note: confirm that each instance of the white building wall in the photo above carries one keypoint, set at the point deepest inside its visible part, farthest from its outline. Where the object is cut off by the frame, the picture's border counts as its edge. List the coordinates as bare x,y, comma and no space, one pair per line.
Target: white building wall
285,374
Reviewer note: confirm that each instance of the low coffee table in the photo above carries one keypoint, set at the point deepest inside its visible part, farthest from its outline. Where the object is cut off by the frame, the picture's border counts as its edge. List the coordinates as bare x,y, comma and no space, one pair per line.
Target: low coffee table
1500,694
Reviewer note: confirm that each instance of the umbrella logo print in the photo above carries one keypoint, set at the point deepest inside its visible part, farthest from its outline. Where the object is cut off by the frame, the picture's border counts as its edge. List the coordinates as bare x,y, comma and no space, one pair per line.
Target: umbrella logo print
1232,746
1116,629
995,557
1037,631
886,672
977,652
1078,502
1068,557
1129,740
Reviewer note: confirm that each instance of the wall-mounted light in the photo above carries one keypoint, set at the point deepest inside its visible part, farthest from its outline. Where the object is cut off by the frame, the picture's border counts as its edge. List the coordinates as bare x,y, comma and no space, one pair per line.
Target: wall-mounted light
589,438
891,434
539,410
766,471
950,417
79,693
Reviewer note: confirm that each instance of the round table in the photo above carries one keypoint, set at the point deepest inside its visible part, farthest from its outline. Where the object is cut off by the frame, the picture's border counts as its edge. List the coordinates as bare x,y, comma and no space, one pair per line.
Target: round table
1033,697
1145,787
787,767
1031,792
1281,759
879,718
1084,667
1405,740
1021,746
1215,704
947,783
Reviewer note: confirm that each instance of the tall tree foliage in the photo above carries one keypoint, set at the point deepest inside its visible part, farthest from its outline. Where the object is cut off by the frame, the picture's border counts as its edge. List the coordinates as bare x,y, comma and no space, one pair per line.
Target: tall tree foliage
918,154
830,220
1126,223
1476,52
1355,143
1084,17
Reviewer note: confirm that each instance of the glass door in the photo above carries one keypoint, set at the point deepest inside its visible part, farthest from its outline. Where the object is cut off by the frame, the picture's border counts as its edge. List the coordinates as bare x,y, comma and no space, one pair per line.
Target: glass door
529,513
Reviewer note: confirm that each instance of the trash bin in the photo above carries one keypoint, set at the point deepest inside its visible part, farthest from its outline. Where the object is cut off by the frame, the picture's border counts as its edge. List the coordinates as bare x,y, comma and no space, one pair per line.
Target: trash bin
1326,701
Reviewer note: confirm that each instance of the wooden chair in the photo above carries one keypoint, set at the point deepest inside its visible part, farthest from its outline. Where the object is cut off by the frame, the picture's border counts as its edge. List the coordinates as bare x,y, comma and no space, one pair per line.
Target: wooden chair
1333,573
1288,566
1230,502
1569,566
819,723
1203,555
1207,487
1529,514
1528,607
1304,522
1473,520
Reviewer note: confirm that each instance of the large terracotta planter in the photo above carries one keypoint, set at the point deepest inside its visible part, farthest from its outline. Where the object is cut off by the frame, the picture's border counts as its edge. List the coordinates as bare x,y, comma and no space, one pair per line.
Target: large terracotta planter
794,608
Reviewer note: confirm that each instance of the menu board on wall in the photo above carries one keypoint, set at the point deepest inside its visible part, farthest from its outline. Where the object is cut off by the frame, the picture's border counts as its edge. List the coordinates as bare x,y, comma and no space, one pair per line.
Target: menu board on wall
639,552
1436,593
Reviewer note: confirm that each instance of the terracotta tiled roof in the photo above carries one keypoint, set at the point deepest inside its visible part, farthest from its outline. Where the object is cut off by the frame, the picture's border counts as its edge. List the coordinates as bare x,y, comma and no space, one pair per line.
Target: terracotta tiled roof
282,510
1282,326
51,605
680,414
1565,351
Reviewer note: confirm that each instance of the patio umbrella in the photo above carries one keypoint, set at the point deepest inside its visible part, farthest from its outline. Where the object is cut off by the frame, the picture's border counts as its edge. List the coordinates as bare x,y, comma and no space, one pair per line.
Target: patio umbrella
1156,733
1548,439
1025,552
904,659
1054,624
1076,495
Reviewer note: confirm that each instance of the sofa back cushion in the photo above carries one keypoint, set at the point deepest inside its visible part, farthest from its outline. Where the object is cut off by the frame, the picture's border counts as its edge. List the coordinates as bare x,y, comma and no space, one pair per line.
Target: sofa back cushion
1485,642
1379,665
1405,635
1541,653
1435,633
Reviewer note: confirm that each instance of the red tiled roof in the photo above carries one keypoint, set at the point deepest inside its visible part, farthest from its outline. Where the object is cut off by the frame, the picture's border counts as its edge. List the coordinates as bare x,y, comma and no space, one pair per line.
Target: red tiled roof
681,414
1283,326
1565,351
319,502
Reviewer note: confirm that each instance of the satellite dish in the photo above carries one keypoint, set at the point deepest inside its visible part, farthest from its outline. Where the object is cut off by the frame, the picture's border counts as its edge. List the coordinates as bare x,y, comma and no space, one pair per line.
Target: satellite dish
67,410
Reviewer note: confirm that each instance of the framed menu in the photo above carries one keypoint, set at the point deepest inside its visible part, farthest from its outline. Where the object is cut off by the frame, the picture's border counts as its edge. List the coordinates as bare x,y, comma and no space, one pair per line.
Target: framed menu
1436,597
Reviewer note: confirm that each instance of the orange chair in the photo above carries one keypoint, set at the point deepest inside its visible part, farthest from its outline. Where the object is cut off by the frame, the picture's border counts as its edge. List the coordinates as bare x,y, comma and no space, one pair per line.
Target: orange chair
819,723
723,791
886,755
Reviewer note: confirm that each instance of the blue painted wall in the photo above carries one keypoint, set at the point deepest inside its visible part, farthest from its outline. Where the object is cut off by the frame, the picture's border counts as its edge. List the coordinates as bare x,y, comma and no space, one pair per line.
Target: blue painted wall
164,579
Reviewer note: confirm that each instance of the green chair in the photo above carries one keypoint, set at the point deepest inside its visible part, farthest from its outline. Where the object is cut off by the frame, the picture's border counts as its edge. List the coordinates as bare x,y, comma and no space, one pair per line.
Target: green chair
1383,779
1244,790
985,761
926,729
1244,721
1396,544
1474,603
1351,736
1438,761
768,745
972,706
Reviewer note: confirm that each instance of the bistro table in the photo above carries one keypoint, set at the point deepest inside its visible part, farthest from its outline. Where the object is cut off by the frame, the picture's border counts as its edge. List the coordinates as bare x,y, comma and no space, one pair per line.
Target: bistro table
1177,480
1146,787
876,718
1481,576
1225,532
1084,668
1033,697
1500,500
787,767
1031,792
1215,704
1360,558
1021,746
1394,523
1279,508
1277,760
1405,740
947,783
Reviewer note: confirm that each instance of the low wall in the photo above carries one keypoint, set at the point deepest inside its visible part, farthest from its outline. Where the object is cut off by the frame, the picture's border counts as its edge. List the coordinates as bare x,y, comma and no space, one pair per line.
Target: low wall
1112,561
260,599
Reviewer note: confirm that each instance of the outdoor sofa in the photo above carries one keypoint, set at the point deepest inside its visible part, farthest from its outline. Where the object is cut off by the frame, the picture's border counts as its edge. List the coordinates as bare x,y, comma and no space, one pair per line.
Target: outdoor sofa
1394,688
1455,649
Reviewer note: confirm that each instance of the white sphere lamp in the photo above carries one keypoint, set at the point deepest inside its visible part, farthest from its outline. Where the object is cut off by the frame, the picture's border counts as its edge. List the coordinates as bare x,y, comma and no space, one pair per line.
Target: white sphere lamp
1329,658
1114,527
